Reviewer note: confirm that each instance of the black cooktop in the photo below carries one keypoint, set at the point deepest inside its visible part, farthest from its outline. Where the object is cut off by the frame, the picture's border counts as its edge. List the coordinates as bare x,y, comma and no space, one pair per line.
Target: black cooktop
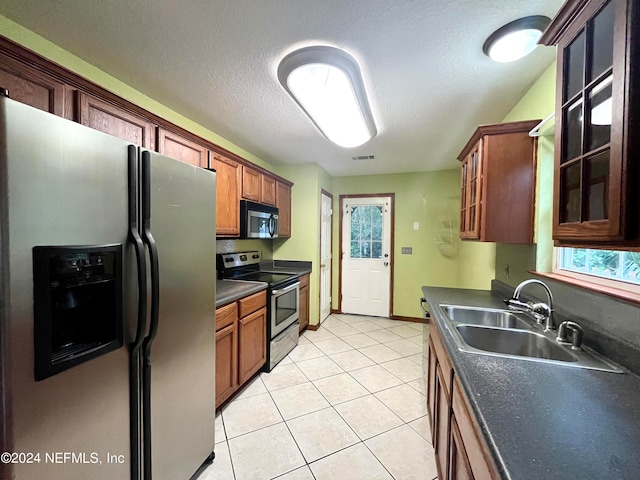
246,266
270,278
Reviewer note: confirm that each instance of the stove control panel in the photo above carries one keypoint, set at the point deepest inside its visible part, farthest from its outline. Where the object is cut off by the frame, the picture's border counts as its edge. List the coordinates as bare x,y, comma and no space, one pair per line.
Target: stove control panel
241,259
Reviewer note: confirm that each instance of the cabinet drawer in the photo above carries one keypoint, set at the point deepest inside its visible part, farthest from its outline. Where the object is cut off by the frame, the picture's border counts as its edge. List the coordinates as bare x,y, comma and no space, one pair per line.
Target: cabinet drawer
226,315
252,303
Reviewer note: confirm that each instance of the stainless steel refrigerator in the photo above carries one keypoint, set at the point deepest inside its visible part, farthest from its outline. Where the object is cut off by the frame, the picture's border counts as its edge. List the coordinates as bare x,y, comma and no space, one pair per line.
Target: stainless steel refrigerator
72,200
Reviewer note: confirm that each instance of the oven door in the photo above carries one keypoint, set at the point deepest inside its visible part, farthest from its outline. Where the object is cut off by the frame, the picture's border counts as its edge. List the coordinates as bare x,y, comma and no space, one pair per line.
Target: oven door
285,307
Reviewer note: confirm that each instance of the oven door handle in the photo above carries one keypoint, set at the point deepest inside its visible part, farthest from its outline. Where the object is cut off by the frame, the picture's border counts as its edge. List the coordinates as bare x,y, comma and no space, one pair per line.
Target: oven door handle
285,289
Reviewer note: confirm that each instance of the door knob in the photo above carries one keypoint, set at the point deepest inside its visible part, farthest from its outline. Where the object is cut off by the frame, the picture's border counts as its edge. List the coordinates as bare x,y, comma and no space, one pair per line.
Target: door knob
322,265
386,264
386,255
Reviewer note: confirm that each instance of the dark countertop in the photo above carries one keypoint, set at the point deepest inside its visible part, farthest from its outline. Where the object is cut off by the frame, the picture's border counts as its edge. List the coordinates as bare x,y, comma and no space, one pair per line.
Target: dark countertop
228,291
542,421
294,267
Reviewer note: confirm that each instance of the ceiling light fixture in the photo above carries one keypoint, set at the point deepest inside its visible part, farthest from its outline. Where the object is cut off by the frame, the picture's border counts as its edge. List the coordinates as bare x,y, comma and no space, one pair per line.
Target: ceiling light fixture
516,39
326,83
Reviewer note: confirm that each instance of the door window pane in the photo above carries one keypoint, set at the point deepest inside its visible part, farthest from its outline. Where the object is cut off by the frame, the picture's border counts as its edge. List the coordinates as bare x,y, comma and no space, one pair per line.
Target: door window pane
572,137
599,127
602,42
597,175
366,232
574,67
571,193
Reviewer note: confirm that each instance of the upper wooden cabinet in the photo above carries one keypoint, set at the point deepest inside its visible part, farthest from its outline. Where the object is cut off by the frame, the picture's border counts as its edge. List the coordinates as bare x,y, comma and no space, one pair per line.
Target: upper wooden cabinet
268,190
28,85
228,178
115,121
251,183
178,147
258,187
498,183
597,154
283,202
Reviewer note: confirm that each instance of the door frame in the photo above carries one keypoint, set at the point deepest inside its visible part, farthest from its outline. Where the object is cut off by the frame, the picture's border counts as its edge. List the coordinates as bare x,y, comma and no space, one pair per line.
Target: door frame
342,198
330,195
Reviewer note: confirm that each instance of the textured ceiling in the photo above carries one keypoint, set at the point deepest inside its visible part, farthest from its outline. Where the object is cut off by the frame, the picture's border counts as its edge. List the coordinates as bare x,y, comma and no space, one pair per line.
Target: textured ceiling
215,62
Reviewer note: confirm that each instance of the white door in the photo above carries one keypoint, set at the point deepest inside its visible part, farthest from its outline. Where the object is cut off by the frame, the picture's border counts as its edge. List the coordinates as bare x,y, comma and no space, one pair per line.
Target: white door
325,257
366,255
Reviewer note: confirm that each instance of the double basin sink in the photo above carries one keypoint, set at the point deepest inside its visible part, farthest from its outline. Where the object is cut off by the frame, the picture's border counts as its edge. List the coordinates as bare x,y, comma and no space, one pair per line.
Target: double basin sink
505,333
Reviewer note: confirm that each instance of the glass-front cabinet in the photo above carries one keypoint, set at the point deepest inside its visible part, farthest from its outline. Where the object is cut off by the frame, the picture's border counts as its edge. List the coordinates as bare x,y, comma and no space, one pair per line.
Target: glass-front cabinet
596,147
470,194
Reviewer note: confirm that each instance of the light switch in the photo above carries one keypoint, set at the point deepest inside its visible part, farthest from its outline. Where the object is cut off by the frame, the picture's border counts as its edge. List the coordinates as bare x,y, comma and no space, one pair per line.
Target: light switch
416,225
407,250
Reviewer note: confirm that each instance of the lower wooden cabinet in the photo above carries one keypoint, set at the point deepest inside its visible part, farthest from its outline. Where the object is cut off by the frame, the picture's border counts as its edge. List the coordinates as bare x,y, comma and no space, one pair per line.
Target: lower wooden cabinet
252,344
226,362
461,453
304,302
241,343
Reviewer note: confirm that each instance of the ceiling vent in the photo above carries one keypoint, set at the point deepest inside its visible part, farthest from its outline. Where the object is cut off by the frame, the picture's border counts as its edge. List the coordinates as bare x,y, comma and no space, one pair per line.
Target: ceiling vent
363,157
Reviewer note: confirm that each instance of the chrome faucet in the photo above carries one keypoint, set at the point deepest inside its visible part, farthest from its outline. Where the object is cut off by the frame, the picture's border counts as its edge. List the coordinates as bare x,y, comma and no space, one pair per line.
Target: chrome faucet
541,311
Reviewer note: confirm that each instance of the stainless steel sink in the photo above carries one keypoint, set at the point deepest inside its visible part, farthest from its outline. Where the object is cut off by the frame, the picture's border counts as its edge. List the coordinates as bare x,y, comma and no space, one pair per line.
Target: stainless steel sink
513,342
488,317
503,333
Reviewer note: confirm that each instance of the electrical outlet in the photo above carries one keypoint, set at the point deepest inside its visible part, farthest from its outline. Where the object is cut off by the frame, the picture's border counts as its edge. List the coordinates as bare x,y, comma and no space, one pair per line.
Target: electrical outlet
407,250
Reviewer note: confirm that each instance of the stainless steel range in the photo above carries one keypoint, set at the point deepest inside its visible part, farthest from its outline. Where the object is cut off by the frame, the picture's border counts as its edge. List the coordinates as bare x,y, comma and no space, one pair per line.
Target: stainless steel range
283,301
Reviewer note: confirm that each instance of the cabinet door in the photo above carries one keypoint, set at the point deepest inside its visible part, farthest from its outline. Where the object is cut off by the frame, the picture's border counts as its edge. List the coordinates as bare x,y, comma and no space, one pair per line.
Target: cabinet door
252,344
251,184
226,362
431,387
27,85
459,463
471,194
596,153
304,302
283,202
109,119
442,425
175,146
268,190
228,178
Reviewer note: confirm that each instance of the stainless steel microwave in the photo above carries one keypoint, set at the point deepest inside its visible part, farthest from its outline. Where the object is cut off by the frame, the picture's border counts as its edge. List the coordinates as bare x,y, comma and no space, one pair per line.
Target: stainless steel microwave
258,220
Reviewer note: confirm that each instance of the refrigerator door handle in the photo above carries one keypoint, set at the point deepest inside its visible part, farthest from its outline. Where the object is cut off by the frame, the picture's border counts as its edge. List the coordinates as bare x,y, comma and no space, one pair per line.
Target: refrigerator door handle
135,362
149,241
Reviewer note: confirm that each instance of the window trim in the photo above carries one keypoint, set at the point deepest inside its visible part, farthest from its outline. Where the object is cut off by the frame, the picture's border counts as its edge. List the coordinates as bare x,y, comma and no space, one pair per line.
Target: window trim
617,289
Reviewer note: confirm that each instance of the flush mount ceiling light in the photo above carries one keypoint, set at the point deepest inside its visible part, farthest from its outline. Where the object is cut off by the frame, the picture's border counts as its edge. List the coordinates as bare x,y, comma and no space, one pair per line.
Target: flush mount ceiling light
516,39
326,83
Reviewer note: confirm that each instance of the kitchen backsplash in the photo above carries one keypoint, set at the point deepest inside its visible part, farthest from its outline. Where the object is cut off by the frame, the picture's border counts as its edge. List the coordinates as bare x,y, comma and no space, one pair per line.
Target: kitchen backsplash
265,247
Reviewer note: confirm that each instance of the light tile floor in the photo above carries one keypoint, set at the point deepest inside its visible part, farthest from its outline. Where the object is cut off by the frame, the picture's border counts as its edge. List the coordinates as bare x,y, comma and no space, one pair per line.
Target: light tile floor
347,402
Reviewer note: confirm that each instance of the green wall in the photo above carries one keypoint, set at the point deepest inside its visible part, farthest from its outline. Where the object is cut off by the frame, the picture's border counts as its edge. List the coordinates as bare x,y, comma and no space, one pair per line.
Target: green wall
430,198
304,243
538,102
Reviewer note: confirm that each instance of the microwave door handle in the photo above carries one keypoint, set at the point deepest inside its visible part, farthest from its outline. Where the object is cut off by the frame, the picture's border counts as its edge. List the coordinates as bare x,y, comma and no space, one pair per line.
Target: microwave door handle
272,226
